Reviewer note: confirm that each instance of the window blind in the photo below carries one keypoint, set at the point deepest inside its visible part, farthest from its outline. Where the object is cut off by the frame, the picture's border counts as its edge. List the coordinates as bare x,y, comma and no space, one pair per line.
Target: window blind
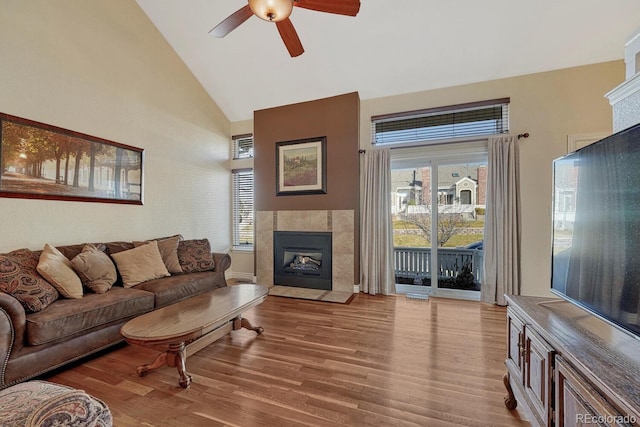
464,120
243,216
242,146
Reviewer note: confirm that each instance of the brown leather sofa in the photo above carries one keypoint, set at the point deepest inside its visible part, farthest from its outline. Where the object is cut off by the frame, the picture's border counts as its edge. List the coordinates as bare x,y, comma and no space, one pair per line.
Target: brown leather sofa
33,343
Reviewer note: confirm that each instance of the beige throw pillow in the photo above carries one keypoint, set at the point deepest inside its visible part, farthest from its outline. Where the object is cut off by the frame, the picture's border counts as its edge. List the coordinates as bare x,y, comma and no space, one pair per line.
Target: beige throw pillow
168,248
57,270
95,269
140,264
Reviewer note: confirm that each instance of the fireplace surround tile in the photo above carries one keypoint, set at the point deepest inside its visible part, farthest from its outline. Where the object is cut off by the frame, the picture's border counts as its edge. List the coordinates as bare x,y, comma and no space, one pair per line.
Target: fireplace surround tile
343,221
302,221
343,244
264,247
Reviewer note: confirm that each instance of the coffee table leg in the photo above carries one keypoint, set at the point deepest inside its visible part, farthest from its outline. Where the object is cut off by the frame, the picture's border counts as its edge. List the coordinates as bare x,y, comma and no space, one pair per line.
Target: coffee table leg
175,356
241,322
158,362
178,359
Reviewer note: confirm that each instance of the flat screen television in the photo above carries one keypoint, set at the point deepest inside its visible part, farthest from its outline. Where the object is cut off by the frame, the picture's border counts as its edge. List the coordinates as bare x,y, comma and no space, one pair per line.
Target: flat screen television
596,228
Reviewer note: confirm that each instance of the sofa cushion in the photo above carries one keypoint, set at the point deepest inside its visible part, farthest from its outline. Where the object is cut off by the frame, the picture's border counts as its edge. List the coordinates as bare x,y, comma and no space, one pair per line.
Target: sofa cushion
195,255
68,317
169,290
168,248
140,264
95,269
58,271
71,251
115,247
20,279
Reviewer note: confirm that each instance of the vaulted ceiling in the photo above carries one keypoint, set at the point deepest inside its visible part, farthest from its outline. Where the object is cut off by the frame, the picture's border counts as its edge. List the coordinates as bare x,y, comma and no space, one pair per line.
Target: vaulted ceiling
389,48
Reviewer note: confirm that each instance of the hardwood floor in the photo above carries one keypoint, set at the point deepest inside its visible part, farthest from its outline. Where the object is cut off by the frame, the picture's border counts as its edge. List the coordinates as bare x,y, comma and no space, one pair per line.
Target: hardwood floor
378,361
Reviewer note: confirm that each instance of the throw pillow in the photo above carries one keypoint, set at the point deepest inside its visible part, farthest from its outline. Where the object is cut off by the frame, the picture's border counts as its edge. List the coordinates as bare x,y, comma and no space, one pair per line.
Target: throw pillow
20,279
195,256
140,264
95,269
168,248
57,270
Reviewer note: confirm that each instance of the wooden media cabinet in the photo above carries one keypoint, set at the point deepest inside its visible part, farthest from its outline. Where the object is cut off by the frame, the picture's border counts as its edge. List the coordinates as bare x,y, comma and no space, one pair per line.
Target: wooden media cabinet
567,367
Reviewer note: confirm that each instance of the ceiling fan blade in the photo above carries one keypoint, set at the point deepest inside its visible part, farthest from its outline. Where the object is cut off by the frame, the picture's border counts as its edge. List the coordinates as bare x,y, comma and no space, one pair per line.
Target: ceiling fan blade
232,22
340,7
290,37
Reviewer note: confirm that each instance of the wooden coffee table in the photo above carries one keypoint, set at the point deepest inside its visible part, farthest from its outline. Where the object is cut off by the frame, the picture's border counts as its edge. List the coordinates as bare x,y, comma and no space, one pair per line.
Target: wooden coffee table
190,325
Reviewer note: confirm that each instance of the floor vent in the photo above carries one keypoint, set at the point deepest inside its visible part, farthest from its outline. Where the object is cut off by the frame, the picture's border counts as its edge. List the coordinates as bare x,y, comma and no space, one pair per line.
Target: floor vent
418,296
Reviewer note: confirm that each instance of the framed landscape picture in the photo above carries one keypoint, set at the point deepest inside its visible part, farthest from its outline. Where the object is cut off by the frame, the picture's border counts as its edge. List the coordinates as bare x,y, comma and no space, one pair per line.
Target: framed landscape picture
40,161
301,166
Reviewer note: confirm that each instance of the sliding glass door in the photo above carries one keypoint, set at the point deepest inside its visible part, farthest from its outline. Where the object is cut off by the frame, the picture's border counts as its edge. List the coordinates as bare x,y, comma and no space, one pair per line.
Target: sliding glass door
438,221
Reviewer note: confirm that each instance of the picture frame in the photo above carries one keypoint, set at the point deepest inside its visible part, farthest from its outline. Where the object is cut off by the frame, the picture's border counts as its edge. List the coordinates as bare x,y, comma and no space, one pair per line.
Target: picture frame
41,161
301,166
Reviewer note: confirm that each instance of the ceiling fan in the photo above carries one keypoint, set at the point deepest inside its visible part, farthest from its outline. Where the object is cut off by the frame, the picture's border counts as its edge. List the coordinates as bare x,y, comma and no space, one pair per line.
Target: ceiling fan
278,11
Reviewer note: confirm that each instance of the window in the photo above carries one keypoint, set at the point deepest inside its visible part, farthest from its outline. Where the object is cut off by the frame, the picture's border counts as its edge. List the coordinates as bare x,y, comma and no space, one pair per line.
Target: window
242,146
438,162
434,124
242,192
243,208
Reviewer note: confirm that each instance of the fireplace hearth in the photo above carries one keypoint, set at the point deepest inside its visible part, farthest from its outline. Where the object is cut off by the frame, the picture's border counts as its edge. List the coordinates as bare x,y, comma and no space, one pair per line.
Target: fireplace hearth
302,259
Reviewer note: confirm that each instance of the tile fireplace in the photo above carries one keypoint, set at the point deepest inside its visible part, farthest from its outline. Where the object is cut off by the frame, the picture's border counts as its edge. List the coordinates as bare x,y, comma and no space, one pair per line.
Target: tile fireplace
338,224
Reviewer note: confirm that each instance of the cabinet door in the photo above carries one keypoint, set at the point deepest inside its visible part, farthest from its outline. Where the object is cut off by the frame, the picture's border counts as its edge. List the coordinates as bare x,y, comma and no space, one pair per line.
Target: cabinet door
515,345
538,375
579,404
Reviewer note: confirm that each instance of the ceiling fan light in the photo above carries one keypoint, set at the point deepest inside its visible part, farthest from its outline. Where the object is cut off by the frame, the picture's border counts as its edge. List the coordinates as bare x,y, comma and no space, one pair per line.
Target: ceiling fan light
271,10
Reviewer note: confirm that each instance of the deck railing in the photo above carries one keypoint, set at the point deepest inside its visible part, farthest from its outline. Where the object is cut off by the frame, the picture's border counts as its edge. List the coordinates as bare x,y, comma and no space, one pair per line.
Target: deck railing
413,264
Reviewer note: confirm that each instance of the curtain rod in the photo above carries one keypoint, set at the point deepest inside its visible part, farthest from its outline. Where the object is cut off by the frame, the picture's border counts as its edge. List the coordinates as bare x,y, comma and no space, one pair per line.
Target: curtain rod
361,151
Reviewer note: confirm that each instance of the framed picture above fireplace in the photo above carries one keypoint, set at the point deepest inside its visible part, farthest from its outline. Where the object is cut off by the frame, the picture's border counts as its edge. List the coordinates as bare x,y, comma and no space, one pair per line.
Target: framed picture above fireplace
301,166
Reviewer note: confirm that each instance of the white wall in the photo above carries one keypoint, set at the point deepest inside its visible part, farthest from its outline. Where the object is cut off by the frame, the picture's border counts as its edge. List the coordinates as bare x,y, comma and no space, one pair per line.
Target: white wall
101,68
549,106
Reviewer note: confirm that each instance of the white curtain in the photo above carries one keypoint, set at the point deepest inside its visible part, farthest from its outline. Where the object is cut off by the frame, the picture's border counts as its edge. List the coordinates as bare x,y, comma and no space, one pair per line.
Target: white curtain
502,221
376,238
